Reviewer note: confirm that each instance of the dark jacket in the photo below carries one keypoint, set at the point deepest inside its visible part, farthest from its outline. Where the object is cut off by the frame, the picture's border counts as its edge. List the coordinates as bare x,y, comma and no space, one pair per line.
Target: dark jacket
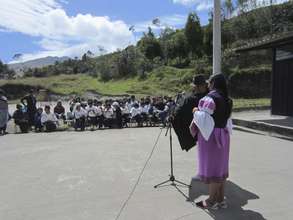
182,119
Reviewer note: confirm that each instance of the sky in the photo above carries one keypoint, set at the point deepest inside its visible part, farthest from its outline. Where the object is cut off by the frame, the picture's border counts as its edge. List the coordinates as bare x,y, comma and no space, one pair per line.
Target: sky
40,28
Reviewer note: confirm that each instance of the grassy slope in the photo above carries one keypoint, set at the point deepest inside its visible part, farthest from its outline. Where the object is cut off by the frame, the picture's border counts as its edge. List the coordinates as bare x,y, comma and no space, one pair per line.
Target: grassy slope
162,81
165,80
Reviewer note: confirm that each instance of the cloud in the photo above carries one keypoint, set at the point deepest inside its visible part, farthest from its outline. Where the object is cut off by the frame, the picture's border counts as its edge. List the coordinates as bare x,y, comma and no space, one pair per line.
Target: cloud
200,5
171,21
62,35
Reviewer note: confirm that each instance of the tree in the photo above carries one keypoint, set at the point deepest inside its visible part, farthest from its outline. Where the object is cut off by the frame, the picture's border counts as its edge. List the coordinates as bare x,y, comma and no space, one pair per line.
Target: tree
208,38
150,46
228,9
5,72
193,33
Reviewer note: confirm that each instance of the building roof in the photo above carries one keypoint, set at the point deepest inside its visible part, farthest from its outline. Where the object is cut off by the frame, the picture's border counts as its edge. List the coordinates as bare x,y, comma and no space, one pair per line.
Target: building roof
271,41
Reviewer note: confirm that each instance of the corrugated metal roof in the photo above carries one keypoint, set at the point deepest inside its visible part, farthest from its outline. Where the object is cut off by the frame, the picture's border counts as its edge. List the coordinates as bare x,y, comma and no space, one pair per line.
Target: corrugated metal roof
267,42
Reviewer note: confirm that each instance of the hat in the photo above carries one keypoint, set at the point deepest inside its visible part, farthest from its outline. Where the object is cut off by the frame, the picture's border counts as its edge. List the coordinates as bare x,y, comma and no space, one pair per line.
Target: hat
199,80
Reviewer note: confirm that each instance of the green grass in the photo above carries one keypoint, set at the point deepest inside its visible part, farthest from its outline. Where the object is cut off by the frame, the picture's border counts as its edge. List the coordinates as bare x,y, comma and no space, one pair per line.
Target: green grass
251,103
162,81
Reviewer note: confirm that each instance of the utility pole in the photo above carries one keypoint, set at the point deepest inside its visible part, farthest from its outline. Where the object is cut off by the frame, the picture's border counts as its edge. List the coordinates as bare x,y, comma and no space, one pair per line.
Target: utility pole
217,38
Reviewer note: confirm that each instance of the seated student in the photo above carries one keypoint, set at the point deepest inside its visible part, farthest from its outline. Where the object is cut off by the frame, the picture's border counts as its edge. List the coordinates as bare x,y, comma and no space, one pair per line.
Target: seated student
136,114
100,113
21,119
80,115
83,104
38,122
125,114
108,115
154,117
59,111
49,120
92,112
162,110
145,107
70,114
117,114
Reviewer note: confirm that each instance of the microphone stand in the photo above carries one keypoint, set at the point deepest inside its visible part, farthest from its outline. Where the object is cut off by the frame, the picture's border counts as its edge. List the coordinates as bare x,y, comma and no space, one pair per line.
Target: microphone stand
172,178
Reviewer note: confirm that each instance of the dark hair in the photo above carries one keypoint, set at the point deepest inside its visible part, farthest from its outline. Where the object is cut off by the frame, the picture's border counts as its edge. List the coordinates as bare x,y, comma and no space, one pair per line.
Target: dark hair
220,84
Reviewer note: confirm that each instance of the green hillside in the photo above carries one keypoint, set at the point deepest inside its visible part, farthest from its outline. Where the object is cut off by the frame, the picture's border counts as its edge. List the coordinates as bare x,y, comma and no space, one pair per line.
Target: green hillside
165,64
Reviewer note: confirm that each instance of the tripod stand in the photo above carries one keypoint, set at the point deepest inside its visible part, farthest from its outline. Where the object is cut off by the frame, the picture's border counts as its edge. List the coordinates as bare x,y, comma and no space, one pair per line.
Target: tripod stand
172,178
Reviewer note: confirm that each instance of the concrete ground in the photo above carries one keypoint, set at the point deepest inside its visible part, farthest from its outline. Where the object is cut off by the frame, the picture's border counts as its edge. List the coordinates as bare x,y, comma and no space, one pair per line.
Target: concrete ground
265,116
86,176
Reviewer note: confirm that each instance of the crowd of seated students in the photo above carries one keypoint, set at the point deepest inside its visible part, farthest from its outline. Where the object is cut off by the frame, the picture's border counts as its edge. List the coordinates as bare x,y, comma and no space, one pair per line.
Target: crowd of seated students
95,114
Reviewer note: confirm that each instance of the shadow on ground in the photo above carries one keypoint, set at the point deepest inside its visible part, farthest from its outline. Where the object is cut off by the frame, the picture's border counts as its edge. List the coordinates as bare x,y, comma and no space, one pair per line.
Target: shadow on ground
237,198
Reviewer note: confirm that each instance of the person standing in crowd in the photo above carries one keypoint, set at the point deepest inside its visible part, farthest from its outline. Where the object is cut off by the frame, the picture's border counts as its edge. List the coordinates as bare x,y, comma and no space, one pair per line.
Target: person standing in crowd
182,116
117,114
38,120
136,114
162,110
30,103
80,115
4,114
100,116
213,125
49,120
59,111
21,118
144,108
108,115
92,112
125,114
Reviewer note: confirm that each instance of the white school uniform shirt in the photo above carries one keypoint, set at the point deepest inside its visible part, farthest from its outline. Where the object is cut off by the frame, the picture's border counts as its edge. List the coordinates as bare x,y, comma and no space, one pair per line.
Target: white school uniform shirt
48,117
92,111
135,111
100,110
145,109
125,110
108,113
79,114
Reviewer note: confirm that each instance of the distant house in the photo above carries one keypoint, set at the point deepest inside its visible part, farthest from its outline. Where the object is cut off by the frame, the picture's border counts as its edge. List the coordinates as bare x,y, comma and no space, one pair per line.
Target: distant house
282,73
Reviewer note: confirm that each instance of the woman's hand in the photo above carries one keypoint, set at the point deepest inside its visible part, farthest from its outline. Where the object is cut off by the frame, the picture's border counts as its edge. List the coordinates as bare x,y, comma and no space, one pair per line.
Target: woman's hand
194,109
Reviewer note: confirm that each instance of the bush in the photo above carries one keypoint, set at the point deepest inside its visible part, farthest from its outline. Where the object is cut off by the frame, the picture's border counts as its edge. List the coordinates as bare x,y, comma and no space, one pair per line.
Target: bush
251,82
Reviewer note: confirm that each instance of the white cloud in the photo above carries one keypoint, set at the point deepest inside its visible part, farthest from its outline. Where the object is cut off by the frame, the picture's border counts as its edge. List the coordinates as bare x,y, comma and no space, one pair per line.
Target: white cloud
200,5
172,21
62,35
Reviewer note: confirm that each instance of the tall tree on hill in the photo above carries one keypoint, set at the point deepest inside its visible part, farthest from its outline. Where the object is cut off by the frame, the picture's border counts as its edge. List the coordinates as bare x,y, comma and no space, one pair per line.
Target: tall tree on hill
228,9
150,46
194,35
208,38
5,72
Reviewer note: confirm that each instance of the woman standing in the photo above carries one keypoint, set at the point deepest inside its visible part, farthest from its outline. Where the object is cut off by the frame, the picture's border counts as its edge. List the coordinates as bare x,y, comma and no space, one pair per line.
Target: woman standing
4,115
213,126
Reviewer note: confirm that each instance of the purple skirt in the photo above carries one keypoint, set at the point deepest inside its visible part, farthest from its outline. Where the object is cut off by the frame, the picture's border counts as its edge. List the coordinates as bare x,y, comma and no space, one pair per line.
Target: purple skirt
213,156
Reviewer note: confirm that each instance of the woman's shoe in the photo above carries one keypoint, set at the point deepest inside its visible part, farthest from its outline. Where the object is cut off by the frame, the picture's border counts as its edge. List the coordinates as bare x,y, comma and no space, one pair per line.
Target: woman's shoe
223,205
207,205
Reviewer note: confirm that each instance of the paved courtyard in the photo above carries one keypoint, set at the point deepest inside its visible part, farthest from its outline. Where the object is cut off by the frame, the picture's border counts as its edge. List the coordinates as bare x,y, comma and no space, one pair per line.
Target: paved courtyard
87,176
